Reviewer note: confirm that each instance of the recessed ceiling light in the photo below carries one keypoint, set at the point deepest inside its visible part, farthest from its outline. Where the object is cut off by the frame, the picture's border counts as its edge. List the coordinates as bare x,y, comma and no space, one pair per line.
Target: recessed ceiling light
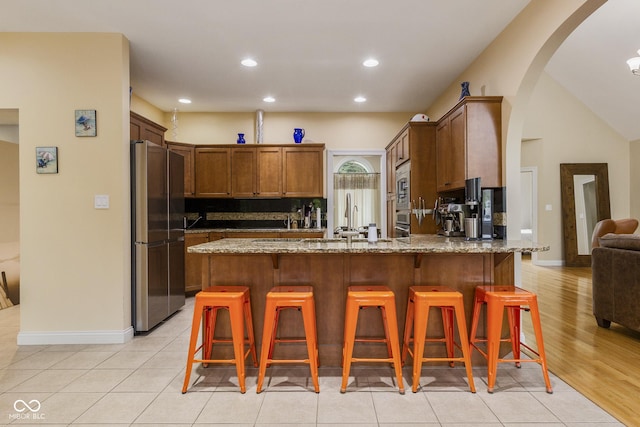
249,62
269,99
184,101
360,99
370,62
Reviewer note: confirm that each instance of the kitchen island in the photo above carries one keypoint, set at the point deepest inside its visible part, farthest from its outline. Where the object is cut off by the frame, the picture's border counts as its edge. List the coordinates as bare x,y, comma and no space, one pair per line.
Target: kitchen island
331,265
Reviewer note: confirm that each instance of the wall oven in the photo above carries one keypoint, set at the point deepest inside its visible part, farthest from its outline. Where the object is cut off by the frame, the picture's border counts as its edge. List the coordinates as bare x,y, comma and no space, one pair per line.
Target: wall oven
403,193
403,223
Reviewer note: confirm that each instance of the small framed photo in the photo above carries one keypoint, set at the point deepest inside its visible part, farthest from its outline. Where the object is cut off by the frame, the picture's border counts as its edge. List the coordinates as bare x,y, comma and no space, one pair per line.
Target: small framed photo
47,159
86,123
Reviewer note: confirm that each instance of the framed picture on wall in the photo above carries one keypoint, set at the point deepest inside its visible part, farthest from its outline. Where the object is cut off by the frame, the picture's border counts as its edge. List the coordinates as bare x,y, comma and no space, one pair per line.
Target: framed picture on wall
47,159
86,123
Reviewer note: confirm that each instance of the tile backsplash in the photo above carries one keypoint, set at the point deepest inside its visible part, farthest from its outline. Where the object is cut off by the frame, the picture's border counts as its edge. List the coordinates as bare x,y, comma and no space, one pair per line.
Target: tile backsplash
251,213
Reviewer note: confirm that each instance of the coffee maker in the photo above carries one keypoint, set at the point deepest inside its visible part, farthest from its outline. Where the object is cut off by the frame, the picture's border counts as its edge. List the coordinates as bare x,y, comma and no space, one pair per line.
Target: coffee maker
479,224
452,216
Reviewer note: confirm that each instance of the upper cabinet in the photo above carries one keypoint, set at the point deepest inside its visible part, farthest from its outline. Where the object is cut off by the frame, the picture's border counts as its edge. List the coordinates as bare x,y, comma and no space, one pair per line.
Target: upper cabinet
188,152
141,128
468,144
213,172
256,171
303,170
267,171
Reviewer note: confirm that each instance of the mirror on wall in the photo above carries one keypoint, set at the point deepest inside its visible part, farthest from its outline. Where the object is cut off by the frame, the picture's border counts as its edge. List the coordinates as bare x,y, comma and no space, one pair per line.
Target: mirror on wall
585,201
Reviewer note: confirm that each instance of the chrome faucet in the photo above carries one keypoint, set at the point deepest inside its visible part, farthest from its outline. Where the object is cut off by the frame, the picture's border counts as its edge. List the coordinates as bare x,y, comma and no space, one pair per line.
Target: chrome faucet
350,232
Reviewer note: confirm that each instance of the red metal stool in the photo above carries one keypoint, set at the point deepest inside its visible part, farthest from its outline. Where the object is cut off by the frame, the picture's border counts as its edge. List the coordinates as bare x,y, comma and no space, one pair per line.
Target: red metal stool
371,296
421,299
514,299
207,303
284,297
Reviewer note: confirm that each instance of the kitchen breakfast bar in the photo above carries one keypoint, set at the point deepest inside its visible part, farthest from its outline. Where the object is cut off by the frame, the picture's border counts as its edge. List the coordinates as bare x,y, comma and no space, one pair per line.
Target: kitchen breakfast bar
331,265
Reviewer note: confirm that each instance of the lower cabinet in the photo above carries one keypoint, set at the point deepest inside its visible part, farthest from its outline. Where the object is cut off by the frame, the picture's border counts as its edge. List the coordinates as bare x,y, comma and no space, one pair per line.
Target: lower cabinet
194,264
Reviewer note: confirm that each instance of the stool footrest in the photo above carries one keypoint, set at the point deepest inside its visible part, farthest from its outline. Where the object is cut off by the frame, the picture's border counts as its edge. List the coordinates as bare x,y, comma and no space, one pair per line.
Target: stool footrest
376,360
276,361
372,340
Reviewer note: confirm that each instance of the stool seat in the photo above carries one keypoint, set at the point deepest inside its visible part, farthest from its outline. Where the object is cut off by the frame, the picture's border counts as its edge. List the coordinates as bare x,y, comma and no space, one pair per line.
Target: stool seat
289,297
514,299
360,296
236,300
450,302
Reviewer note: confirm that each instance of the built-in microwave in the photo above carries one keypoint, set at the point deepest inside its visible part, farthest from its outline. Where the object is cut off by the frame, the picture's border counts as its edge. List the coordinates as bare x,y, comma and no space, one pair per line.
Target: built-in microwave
403,193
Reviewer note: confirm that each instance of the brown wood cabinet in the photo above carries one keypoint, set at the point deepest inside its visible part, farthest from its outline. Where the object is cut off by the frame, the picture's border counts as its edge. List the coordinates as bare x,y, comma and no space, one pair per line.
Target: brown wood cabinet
195,265
303,170
417,142
267,171
468,143
243,172
269,174
212,172
141,128
188,152
256,172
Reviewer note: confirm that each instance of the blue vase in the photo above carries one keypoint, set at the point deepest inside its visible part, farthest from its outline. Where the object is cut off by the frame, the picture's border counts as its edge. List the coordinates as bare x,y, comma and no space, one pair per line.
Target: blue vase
298,135
465,90
241,138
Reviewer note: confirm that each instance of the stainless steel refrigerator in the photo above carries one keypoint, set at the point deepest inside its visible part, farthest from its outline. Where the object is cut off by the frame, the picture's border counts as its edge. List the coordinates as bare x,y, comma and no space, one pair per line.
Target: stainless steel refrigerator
157,209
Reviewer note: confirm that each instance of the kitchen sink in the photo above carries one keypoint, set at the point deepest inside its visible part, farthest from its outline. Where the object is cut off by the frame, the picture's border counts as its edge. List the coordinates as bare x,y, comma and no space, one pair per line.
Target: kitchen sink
344,240
279,240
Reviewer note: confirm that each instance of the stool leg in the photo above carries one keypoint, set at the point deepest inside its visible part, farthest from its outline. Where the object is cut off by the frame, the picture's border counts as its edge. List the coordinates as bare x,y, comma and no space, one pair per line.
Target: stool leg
195,328
495,311
408,327
392,332
537,328
249,325
267,335
447,324
513,314
309,320
387,341
351,319
236,314
464,344
477,307
420,320
210,316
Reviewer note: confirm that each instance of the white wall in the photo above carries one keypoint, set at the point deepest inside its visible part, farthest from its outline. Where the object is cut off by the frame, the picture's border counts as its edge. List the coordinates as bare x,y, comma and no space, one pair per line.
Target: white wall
565,131
75,260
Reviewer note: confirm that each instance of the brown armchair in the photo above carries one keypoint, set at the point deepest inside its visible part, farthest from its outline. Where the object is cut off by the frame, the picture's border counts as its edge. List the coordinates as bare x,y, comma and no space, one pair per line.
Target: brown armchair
616,226
615,268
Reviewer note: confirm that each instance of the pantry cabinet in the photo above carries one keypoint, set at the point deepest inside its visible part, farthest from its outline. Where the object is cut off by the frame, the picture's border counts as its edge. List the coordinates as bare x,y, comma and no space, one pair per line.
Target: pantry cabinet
415,143
469,144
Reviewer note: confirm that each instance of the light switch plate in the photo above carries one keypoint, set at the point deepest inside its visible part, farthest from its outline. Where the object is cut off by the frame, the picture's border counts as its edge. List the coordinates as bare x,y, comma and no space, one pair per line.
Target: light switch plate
101,201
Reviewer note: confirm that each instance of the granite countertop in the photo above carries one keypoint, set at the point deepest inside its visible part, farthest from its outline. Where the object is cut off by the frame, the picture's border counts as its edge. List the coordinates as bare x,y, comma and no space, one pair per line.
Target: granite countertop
255,230
429,243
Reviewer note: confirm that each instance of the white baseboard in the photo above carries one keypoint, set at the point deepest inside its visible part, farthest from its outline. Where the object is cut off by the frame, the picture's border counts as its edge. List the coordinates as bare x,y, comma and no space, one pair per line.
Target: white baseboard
75,337
550,263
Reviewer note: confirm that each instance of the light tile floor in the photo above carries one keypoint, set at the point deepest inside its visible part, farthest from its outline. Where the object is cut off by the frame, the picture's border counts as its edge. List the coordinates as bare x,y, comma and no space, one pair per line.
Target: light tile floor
140,383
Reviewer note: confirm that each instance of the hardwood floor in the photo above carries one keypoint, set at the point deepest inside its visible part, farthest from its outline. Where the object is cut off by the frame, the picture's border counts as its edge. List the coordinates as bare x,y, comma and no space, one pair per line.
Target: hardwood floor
602,364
